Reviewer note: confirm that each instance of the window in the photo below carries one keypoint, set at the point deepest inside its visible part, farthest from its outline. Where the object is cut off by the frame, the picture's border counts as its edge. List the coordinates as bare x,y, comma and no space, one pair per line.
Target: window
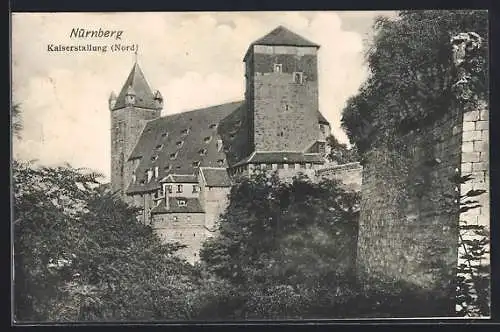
169,189
179,188
220,162
308,165
176,218
173,155
167,168
159,147
280,166
134,178
195,188
286,107
185,132
274,166
207,139
154,158
298,77
196,163
322,128
164,135
181,202
179,144
213,126
202,152
219,145
262,166
278,67
156,171
285,166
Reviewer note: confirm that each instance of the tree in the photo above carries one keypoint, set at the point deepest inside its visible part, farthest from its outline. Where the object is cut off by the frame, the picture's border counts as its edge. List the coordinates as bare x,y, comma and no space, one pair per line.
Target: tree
412,73
340,153
282,246
81,254
17,123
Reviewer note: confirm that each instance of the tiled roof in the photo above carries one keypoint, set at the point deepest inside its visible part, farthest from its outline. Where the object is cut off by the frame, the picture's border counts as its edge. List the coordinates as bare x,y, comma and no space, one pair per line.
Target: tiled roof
137,83
180,178
282,157
215,177
281,36
176,143
192,206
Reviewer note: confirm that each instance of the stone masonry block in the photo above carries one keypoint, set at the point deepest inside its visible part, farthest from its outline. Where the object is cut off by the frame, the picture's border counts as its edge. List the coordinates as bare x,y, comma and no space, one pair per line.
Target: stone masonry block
484,156
471,116
468,147
470,157
485,135
466,168
469,126
474,135
480,146
484,115
481,166
482,125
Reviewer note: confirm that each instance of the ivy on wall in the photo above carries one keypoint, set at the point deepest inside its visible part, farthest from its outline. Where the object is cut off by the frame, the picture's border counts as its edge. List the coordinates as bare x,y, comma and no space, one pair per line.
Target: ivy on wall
413,74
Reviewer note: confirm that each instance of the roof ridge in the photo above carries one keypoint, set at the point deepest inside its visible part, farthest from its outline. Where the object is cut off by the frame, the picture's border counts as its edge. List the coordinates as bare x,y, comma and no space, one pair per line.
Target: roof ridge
198,109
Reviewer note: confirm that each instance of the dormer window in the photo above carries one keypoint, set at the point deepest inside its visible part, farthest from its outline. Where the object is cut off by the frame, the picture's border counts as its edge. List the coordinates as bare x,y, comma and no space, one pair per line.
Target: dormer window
184,132
322,128
203,152
213,126
164,135
219,145
179,188
167,168
207,139
278,67
179,144
154,158
220,162
196,163
173,155
298,77
159,147
181,202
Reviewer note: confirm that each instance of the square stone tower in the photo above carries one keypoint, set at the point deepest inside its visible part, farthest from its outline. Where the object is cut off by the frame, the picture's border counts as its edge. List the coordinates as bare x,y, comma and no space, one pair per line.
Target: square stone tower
281,92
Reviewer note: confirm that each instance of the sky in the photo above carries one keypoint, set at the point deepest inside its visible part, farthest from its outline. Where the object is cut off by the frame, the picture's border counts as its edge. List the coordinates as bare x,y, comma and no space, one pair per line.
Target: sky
194,59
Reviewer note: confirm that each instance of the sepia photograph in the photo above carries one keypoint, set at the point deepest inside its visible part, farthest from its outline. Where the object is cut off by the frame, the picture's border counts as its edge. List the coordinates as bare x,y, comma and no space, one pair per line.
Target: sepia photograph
249,166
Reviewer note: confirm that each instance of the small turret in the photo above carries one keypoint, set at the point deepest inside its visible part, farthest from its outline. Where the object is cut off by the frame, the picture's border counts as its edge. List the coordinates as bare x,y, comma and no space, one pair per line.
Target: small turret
130,96
112,100
158,98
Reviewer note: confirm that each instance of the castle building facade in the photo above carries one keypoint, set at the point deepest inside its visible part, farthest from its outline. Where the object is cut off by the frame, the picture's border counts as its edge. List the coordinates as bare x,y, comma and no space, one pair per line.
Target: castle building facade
179,168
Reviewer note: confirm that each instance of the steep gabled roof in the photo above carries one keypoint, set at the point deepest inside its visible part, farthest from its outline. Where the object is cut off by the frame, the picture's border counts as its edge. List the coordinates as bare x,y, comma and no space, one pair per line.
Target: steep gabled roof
180,144
322,119
215,177
281,36
192,205
136,83
180,178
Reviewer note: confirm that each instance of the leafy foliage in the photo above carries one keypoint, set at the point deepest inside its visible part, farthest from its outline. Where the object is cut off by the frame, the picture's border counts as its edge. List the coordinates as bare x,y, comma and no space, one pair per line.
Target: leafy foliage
412,73
81,254
473,281
340,153
283,246
17,123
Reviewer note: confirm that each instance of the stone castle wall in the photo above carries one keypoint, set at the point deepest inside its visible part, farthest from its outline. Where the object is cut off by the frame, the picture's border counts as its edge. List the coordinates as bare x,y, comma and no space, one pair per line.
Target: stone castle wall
408,229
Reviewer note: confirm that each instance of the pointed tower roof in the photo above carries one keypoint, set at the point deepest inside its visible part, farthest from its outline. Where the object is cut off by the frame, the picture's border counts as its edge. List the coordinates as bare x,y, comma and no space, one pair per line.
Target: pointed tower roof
137,83
283,37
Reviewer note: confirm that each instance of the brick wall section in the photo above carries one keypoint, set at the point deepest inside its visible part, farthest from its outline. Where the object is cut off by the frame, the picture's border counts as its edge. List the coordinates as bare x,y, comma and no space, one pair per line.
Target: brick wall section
187,229
475,162
406,231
